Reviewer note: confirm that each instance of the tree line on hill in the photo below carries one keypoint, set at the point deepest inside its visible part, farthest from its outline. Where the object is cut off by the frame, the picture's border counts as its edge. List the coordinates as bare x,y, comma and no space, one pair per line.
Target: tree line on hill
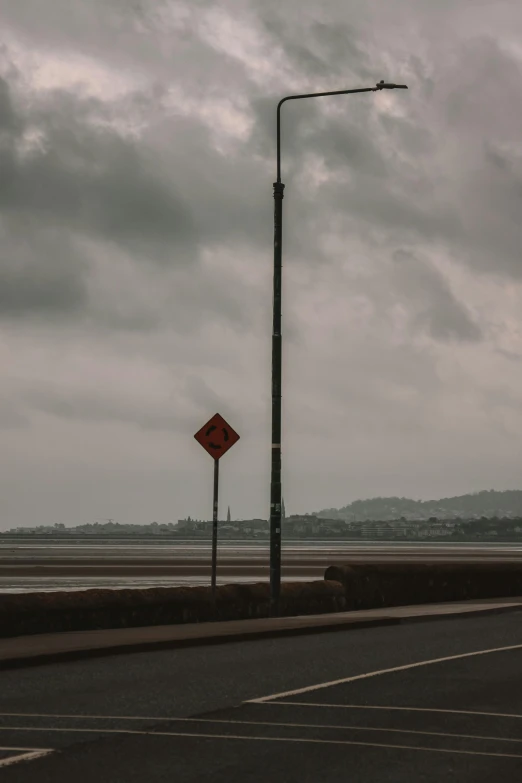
487,503
503,509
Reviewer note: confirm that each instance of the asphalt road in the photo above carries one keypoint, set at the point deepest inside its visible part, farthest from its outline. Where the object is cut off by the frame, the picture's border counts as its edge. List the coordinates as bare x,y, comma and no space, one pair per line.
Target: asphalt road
192,715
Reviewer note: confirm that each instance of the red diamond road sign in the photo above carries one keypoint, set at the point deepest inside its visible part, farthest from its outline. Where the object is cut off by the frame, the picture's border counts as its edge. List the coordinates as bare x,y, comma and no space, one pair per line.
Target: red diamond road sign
217,436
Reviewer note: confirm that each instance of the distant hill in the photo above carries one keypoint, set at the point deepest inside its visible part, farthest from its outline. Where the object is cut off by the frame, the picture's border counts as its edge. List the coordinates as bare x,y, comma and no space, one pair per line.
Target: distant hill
488,503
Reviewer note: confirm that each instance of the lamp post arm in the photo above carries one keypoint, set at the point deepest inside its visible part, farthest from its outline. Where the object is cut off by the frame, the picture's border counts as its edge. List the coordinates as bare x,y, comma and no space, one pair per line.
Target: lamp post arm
309,95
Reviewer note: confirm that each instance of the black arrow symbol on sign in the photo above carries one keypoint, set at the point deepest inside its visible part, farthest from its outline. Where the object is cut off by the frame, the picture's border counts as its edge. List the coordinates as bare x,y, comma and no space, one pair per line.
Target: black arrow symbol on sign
215,445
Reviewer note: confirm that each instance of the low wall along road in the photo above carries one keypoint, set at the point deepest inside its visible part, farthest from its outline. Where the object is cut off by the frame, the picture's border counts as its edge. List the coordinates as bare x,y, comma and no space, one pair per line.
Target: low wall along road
95,609
386,584
344,588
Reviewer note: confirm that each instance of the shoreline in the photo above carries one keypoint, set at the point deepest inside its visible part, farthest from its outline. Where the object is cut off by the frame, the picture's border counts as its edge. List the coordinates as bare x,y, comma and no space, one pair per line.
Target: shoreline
52,566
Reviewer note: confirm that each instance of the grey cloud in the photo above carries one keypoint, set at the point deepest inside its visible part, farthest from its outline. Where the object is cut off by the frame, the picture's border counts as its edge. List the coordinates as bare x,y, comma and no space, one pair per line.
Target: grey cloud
87,181
475,123
187,301
309,47
511,355
405,132
477,88
446,173
41,271
492,214
92,179
11,415
207,401
146,246
436,309
106,27
231,193
345,146
9,122
386,180
151,41
92,184
325,50
341,141
389,205
105,407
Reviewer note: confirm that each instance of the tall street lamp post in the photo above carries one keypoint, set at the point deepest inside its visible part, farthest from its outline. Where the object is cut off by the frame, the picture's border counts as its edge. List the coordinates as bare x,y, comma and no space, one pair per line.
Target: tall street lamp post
275,476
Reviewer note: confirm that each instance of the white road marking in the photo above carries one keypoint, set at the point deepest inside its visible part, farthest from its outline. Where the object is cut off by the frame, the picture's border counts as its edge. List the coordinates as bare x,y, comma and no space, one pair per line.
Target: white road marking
367,675
267,723
83,717
379,707
302,740
24,754
354,728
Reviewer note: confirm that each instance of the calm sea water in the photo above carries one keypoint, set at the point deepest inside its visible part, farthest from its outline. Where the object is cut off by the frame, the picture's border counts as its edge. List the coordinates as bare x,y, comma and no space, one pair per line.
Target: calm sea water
15,553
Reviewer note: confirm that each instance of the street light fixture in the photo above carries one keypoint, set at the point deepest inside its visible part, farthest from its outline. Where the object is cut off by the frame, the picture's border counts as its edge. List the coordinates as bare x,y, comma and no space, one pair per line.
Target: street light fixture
275,476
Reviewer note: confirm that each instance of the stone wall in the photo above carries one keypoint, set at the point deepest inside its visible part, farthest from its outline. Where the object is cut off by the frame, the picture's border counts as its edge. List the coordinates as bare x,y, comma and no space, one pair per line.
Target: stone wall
371,586
95,609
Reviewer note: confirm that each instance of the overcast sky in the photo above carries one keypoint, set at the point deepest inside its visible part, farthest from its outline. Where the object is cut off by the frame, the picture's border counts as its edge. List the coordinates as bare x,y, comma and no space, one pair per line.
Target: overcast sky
137,155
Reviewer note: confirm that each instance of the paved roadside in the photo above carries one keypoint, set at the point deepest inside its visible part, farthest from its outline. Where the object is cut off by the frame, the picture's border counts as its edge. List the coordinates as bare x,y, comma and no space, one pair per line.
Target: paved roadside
37,649
426,701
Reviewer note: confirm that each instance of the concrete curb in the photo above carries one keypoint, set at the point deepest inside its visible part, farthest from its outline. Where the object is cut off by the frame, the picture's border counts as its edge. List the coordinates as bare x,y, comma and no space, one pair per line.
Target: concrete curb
351,623
174,644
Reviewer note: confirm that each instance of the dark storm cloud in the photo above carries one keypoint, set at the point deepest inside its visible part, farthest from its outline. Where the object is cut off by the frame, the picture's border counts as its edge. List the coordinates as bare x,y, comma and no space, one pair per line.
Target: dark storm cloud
170,192
127,193
91,179
137,148
77,179
82,180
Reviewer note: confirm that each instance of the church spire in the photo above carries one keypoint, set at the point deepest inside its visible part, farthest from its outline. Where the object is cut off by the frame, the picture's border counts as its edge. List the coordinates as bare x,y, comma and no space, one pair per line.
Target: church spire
283,512
228,515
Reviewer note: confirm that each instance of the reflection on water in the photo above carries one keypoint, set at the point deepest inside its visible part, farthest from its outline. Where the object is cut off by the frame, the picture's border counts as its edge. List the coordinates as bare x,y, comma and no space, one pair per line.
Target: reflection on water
15,553
55,584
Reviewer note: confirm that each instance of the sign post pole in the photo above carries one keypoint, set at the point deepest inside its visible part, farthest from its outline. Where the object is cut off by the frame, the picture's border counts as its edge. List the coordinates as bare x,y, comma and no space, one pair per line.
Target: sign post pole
216,437
215,526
